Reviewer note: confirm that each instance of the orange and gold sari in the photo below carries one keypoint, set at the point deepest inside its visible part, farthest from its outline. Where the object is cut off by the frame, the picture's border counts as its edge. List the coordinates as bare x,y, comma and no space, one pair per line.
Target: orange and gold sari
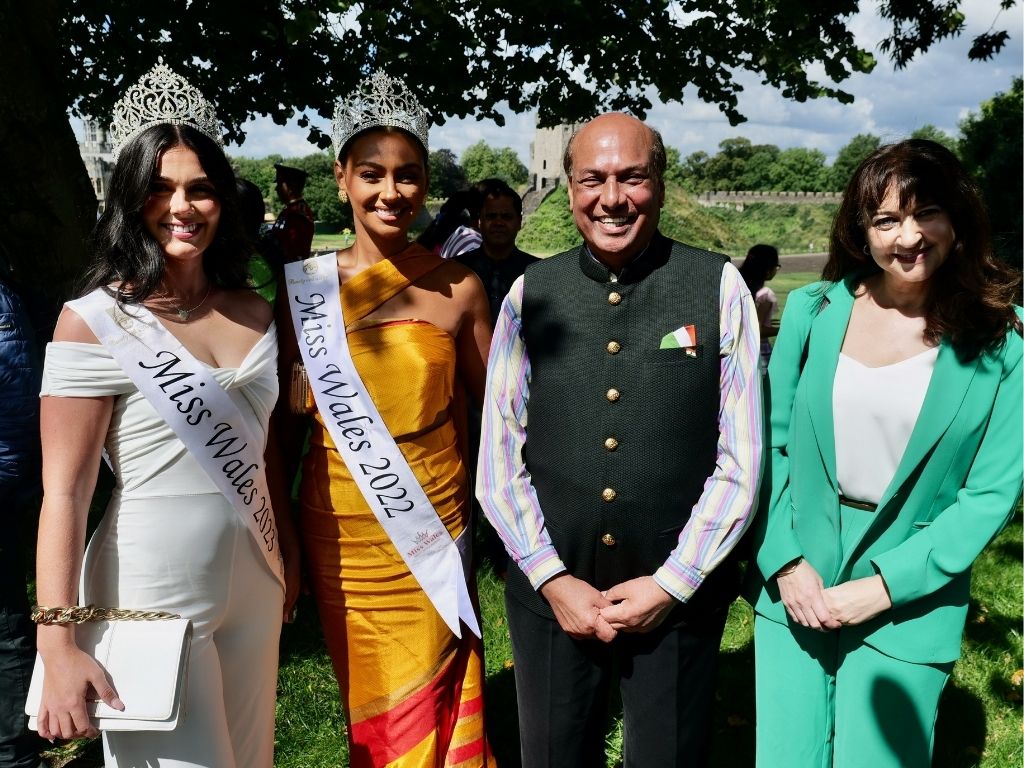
412,691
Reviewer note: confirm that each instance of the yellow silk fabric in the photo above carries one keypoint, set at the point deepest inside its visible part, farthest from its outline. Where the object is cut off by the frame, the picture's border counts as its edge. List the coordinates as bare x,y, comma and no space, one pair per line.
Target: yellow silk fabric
386,640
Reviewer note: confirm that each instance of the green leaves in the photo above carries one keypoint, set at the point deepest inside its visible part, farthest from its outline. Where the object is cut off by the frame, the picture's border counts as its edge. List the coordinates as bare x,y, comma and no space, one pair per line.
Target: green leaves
567,59
482,161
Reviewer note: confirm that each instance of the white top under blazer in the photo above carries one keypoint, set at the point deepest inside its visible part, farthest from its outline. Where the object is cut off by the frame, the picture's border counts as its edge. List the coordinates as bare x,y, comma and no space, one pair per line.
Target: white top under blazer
874,412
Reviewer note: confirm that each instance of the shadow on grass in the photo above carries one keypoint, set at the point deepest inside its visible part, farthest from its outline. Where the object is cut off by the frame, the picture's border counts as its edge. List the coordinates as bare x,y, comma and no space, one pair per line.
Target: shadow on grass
503,718
732,743
960,730
991,629
303,638
1005,551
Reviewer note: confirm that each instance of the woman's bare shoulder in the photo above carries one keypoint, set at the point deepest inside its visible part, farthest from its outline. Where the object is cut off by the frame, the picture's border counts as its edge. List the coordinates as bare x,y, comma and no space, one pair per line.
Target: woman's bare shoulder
71,327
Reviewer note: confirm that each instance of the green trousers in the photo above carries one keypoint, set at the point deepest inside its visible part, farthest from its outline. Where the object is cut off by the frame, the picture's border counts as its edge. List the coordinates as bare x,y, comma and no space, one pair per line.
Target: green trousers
828,700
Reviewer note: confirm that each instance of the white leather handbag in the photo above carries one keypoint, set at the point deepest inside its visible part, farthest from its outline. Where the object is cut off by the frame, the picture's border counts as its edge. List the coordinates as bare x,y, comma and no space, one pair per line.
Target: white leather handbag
147,663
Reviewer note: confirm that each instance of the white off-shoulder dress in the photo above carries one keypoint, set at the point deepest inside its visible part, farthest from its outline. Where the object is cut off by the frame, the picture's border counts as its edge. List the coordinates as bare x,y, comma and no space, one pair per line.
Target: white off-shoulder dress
170,541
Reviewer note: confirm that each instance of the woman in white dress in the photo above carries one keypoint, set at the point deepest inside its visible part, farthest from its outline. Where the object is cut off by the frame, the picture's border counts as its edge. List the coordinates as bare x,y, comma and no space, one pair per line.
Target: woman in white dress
168,253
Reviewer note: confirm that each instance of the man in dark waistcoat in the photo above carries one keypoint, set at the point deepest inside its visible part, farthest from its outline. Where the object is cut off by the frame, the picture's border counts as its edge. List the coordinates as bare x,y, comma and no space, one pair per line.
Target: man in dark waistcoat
620,458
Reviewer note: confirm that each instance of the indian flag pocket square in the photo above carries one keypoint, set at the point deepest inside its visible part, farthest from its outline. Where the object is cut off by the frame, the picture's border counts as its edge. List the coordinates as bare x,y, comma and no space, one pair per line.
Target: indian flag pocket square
684,337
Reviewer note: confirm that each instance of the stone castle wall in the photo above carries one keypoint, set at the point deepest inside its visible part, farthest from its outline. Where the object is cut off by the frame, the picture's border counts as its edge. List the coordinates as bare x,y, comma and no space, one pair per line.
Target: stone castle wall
546,152
739,199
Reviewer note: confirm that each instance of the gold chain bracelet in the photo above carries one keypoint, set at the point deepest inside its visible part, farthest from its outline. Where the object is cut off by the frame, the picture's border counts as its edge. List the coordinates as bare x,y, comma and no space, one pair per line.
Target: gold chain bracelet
78,614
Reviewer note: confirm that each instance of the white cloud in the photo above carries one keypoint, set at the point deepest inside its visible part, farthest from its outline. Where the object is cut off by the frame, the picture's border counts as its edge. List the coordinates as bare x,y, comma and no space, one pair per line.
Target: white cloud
263,137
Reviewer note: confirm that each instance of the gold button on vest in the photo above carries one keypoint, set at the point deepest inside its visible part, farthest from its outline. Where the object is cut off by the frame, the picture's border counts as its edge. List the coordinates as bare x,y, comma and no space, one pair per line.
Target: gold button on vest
608,494
608,540
611,443
612,395
614,298
614,347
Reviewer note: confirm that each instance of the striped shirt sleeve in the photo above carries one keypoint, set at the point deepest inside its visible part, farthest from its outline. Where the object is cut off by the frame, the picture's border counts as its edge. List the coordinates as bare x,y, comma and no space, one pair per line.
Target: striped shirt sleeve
462,240
726,505
504,487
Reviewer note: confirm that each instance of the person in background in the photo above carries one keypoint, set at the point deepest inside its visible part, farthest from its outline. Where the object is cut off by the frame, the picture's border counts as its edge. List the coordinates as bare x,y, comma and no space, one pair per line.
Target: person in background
293,231
760,266
19,483
454,230
619,462
896,451
497,261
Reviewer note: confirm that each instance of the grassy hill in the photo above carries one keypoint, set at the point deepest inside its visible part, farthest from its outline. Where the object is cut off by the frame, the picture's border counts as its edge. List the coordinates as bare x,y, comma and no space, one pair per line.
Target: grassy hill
791,227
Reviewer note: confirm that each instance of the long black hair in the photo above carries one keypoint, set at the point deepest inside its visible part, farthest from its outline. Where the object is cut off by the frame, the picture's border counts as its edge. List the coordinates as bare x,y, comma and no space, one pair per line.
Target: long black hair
121,248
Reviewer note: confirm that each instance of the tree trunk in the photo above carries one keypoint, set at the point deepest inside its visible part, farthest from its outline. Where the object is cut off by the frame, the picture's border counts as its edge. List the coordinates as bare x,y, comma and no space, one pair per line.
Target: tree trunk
48,201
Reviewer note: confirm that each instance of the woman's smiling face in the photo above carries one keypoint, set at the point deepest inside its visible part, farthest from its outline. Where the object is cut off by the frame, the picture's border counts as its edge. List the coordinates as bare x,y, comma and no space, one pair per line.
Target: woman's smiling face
182,210
911,243
386,182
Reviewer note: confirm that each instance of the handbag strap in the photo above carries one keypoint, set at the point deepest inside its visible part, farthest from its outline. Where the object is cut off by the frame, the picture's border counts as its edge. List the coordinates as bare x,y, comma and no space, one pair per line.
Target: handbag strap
79,614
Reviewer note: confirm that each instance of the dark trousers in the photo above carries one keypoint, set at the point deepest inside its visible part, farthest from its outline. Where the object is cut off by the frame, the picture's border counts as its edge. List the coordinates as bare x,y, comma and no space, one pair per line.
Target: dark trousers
19,747
666,680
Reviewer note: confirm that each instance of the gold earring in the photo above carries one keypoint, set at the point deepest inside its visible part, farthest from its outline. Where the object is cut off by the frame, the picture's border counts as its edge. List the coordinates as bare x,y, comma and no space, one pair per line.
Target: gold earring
342,196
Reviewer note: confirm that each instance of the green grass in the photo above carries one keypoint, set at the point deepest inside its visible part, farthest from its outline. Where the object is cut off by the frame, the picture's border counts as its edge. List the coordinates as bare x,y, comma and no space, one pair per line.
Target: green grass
332,242
785,282
790,227
550,229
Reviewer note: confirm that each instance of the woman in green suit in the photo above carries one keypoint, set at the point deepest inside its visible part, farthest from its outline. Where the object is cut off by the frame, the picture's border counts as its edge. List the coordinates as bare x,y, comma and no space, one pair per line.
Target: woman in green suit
896,451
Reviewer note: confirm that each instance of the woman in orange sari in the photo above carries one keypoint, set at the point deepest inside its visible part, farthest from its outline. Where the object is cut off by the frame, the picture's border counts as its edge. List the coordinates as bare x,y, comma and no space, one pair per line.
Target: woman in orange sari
417,331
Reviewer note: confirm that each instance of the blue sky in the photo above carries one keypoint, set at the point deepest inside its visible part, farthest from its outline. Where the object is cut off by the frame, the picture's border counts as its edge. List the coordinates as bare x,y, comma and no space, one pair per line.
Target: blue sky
940,88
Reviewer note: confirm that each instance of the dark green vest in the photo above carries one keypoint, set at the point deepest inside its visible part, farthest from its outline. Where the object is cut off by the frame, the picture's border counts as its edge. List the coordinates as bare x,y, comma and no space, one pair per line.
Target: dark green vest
622,434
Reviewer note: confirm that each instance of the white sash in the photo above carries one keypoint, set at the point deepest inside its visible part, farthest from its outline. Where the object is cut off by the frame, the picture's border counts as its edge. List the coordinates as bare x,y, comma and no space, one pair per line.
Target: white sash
185,394
380,470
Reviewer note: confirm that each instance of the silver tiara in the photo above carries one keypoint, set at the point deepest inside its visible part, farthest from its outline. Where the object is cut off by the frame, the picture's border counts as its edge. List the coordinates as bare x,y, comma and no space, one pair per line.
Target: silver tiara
380,100
161,96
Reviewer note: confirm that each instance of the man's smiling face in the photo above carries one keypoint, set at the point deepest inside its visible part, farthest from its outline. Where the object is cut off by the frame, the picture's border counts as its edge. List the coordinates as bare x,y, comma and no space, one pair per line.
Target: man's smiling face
614,194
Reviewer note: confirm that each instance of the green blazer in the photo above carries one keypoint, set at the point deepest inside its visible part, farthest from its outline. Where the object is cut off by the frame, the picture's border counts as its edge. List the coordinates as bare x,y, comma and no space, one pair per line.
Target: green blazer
955,488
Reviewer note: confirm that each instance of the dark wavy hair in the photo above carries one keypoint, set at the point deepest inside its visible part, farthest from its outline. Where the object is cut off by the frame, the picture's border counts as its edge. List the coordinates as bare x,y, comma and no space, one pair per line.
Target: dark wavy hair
972,293
758,266
122,249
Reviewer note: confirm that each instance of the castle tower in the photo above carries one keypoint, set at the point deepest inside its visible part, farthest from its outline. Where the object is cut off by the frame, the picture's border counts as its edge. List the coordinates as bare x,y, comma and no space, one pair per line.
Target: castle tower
97,154
546,152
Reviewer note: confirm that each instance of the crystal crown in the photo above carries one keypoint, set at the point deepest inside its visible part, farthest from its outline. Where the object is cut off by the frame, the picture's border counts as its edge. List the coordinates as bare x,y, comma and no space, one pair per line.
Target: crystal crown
380,100
161,96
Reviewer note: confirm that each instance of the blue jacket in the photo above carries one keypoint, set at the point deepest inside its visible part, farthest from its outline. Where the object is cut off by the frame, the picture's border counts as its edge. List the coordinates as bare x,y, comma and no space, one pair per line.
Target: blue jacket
19,394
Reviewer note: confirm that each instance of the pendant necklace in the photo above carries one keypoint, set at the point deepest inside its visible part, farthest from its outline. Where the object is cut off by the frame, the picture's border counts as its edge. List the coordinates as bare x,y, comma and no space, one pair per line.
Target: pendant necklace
184,314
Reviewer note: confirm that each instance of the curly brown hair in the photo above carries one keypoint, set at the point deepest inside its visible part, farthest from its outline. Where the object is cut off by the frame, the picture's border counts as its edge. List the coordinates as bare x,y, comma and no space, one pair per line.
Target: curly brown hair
971,297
